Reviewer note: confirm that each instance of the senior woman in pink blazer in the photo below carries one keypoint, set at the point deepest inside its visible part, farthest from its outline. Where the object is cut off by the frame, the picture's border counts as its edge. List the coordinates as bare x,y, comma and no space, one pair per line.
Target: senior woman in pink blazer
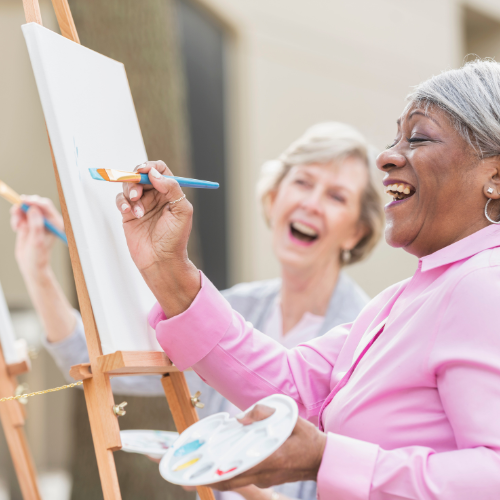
407,396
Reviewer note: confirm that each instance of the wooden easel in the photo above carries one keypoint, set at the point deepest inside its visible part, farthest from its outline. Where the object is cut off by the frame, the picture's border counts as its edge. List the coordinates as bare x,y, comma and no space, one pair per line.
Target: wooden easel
96,374
12,415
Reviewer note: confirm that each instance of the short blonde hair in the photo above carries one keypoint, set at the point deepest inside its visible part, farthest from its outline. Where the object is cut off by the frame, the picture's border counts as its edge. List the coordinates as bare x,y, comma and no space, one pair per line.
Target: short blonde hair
324,143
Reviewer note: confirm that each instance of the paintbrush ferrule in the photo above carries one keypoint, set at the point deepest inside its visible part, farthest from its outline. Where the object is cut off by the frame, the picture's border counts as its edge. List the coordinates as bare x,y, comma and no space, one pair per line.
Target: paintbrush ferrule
112,175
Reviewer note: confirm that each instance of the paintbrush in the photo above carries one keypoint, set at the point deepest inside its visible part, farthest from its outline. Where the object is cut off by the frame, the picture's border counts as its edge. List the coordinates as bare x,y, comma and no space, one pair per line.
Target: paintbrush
111,175
10,195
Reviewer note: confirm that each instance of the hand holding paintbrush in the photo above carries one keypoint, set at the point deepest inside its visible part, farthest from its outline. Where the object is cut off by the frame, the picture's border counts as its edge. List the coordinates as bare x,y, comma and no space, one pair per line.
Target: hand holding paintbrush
34,242
24,204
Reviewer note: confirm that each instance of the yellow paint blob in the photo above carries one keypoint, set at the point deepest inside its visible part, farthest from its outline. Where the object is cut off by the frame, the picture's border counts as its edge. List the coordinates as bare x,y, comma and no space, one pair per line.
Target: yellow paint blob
185,465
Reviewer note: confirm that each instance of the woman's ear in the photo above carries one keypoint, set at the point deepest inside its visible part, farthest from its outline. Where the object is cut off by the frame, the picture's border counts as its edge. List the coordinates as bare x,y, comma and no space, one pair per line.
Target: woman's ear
491,187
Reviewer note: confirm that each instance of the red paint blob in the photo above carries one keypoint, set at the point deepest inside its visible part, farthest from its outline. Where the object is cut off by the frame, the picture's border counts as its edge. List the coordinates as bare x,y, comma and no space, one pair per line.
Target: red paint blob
222,472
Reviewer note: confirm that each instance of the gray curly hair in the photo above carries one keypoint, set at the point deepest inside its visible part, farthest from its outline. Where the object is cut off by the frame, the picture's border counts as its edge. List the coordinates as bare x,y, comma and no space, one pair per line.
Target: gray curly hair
324,143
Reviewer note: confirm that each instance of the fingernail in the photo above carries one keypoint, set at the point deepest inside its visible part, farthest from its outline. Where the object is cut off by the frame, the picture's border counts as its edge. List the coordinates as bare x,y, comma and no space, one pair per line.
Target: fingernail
142,165
124,207
138,212
155,173
133,193
240,415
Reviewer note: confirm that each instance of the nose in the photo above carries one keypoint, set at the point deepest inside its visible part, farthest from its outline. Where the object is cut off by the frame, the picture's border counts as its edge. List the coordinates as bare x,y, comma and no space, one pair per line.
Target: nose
312,200
389,159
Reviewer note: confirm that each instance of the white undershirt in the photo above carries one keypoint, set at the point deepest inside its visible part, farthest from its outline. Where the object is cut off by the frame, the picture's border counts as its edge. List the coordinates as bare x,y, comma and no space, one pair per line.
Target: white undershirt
306,329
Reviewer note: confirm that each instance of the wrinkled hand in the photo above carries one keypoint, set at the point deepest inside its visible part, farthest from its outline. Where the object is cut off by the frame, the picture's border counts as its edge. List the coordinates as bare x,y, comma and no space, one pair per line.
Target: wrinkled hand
157,233
33,242
155,230
297,459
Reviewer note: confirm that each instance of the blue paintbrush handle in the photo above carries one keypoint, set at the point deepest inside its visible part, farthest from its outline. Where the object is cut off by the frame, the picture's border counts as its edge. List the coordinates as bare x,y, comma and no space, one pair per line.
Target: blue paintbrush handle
50,227
184,182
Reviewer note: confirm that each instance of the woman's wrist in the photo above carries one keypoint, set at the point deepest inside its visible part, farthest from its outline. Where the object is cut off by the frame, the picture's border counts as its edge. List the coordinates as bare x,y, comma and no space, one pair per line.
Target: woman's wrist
320,445
38,277
175,284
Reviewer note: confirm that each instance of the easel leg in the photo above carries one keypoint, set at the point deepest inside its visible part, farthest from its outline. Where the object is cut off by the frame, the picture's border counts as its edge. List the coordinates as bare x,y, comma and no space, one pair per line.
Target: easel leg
12,418
184,413
21,457
104,455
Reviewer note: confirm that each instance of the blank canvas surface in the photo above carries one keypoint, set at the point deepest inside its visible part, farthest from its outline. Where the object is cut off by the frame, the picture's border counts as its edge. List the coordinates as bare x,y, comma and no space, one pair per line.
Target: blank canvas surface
7,336
92,123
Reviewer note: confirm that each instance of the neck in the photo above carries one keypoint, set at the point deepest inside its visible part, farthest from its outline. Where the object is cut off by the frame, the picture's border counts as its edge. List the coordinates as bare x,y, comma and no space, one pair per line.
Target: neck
306,290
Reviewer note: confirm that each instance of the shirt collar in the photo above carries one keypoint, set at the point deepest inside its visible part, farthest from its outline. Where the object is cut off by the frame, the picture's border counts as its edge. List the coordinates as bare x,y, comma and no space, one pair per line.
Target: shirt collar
489,237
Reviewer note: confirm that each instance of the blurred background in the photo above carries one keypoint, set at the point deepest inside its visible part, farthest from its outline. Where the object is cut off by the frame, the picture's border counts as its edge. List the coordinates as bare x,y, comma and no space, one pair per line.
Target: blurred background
220,86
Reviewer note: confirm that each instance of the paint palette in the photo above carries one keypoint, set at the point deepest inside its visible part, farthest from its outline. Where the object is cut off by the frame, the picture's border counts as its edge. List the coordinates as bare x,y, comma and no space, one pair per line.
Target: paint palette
219,447
152,443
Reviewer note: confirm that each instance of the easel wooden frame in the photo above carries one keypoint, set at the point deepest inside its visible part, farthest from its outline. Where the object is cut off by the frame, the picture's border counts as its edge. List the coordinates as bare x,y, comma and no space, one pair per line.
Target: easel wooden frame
12,417
96,374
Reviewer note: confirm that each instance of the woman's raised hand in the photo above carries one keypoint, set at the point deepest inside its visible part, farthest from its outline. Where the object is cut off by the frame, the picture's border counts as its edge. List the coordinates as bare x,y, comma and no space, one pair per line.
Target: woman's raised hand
297,459
157,221
34,243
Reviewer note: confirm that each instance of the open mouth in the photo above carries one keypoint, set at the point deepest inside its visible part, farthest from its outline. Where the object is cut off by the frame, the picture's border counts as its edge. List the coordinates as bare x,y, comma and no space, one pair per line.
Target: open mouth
400,191
303,232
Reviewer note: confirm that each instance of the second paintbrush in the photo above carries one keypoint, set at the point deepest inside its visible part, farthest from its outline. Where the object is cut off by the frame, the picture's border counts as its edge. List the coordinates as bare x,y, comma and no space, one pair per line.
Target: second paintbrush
111,175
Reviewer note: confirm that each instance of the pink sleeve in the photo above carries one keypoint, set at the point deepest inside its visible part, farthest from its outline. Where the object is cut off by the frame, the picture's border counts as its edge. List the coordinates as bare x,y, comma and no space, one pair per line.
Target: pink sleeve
464,361
243,364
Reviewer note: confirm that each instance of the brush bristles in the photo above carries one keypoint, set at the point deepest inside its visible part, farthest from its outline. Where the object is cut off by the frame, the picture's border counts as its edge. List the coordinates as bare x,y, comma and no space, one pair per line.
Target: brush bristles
9,194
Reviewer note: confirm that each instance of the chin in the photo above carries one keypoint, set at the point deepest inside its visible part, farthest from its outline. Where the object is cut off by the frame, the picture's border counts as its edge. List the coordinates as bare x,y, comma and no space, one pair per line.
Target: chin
292,259
391,238
398,237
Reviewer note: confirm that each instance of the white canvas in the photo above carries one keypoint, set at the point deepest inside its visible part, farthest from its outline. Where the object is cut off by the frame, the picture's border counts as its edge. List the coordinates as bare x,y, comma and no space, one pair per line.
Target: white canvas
92,123
7,336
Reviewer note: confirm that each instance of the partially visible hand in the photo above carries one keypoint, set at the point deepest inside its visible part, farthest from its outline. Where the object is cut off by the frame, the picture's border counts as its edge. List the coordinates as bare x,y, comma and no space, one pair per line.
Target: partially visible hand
157,233
34,243
298,459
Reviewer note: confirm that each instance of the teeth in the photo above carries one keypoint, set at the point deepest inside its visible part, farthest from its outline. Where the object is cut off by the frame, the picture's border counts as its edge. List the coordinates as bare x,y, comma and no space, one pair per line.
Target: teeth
398,188
309,231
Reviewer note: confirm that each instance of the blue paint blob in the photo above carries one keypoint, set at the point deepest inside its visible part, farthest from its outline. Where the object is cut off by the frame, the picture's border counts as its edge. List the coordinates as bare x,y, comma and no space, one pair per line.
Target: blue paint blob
188,448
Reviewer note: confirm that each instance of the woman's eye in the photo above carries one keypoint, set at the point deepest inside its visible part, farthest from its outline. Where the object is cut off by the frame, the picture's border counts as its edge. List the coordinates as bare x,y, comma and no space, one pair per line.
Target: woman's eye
301,182
337,197
415,140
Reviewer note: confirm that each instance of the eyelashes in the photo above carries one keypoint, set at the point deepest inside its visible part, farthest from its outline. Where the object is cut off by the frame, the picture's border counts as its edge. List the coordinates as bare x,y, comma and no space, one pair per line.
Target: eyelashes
410,141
